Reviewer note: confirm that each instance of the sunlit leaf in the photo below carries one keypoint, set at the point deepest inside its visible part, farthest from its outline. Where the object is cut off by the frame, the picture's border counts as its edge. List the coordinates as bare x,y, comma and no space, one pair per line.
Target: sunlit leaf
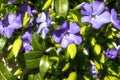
61,7
74,17
93,41
102,59
72,76
16,46
97,49
44,65
47,4
66,67
72,50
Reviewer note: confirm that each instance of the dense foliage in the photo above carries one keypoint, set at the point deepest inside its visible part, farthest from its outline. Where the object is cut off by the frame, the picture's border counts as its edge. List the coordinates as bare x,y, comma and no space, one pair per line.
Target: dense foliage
59,40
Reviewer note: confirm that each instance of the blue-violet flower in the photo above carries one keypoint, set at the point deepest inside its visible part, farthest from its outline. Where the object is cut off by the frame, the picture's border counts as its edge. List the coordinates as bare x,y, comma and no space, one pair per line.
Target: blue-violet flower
111,54
67,35
9,24
93,14
43,23
26,39
114,19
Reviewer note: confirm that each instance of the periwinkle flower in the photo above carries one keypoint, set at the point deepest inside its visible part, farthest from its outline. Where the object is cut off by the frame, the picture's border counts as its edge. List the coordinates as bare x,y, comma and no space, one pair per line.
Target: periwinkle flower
26,39
114,19
9,24
67,35
94,14
11,1
43,23
111,54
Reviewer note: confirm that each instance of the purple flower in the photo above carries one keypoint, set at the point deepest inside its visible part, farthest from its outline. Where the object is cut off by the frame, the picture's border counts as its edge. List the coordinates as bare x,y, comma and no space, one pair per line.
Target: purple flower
43,23
111,54
26,39
9,24
93,14
67,35
11,1
114,19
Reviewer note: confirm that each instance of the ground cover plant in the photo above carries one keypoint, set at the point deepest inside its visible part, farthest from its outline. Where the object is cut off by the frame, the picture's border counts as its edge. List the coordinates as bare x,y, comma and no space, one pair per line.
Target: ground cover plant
59,39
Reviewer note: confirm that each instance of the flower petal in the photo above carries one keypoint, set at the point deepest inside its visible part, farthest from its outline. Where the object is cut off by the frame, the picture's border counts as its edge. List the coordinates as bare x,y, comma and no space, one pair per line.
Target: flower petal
86,9
113,15
41,18
74,28
28,48
41,26
57,35
44,32
48,19
76,38
26,8
11,17
16,23
11,1
114,19
27,37
65,42
100,20
98,7
112,54
8,31
1,29
86,19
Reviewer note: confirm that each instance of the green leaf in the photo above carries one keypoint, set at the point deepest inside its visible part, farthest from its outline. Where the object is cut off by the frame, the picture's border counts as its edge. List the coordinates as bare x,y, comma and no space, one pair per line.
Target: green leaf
102,59
37,43
47,4
44,65
72,76
97,49
33,63
74,17
16,46
72,50
66,67
5,74
61,7
26,20
3,41
31,59
93,41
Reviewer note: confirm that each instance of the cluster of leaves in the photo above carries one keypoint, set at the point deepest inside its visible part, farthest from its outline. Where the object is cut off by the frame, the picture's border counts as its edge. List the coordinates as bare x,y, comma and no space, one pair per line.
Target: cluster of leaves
47,60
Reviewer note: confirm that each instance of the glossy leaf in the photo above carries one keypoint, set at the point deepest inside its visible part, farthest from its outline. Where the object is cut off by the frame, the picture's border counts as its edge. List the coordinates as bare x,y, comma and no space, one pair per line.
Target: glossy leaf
72,50
5,74
32,59
3,41
61,7
97,49
44,65
47,4
66,67
33,63
72,76
16,46
37,43
74,17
